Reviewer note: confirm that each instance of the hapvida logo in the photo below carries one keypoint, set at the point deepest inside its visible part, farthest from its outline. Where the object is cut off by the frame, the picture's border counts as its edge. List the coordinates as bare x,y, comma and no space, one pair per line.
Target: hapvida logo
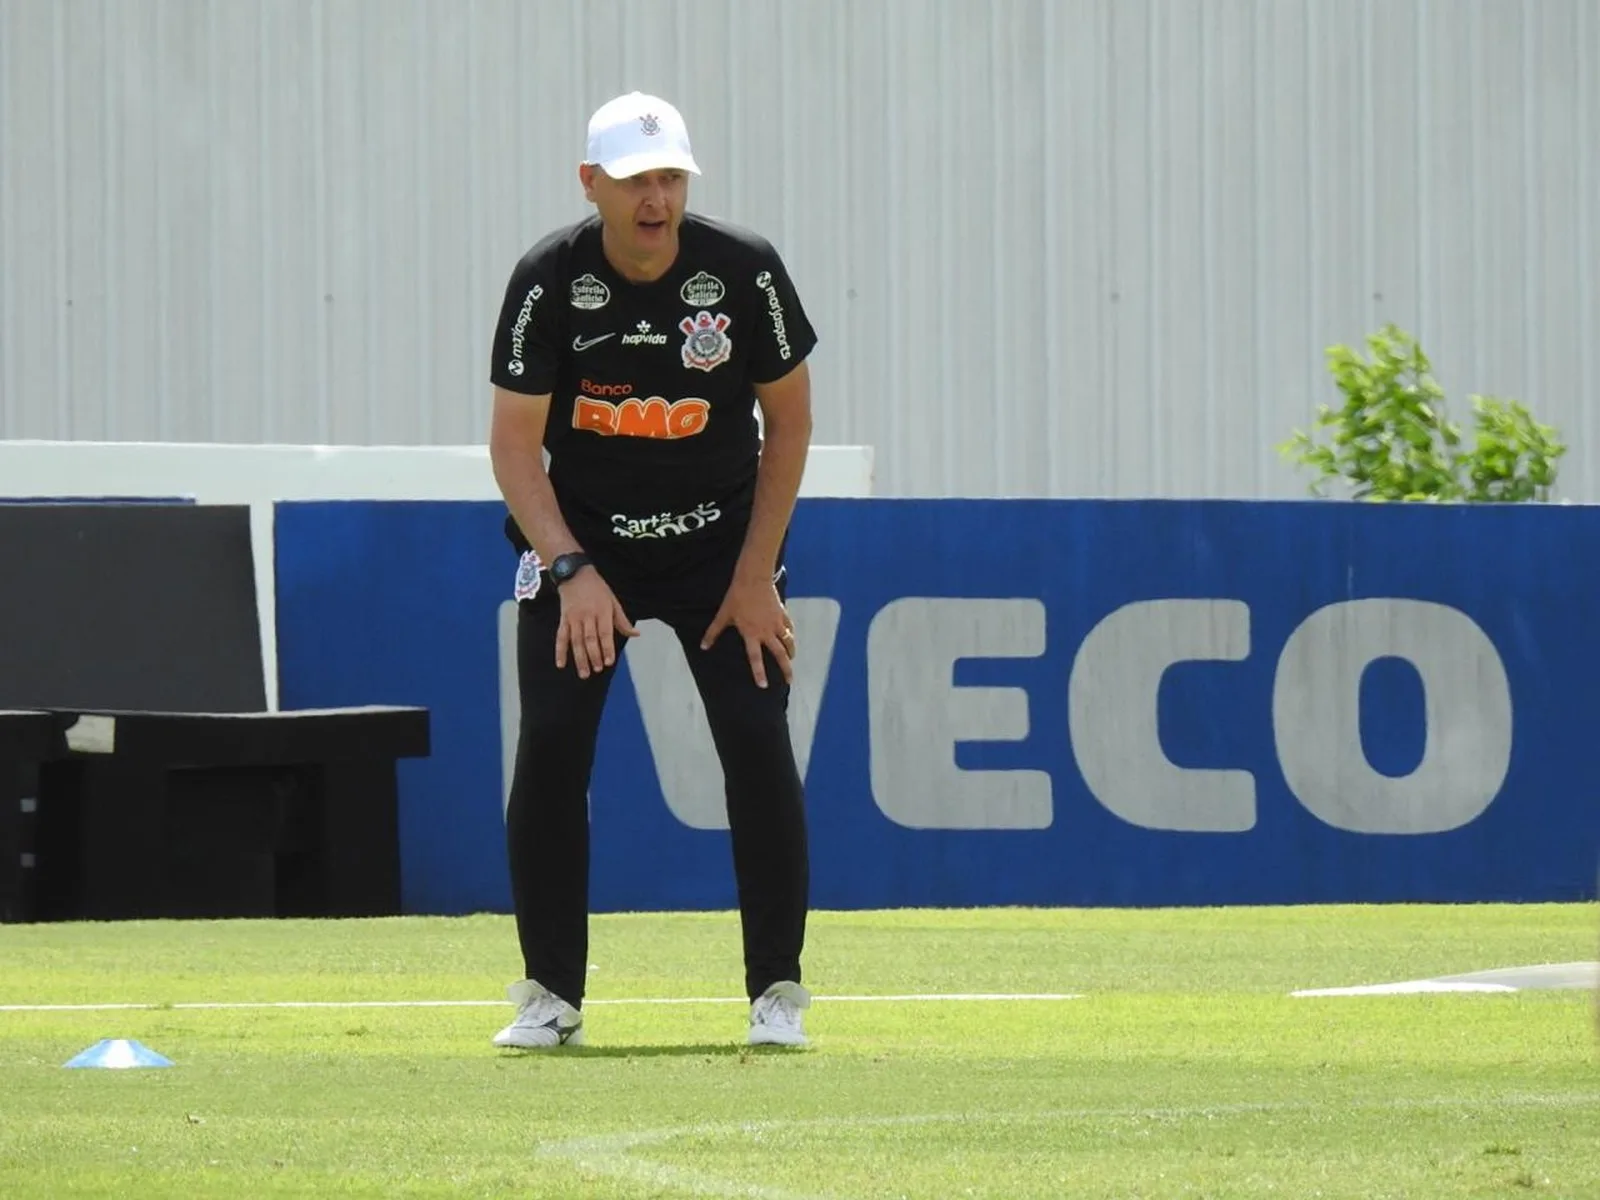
643,335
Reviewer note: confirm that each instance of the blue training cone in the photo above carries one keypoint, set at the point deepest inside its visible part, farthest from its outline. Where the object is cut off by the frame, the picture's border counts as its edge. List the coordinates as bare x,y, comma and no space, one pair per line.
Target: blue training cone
117,1054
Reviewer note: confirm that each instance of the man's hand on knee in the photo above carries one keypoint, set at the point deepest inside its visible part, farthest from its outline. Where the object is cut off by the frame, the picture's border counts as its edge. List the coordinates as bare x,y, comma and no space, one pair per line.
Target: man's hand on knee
591,616
752,607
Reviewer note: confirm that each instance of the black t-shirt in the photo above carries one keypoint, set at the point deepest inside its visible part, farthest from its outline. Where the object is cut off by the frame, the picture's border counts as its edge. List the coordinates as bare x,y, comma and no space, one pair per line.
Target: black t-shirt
652,430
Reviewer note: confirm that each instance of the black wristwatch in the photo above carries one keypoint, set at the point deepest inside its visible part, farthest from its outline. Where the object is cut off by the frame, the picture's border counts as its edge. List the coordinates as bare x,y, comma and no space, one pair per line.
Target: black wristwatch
565,566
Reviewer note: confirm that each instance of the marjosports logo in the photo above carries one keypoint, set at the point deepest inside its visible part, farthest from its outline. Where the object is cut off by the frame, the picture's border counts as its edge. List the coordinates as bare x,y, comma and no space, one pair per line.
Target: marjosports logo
519,331
650,418
775,311
666,524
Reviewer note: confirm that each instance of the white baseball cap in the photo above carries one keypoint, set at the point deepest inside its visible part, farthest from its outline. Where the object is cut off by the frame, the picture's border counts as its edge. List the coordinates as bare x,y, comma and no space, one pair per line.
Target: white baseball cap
635,133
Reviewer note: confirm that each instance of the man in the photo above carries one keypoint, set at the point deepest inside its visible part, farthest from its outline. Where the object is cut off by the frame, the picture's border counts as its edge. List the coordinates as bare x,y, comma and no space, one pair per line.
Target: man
634,348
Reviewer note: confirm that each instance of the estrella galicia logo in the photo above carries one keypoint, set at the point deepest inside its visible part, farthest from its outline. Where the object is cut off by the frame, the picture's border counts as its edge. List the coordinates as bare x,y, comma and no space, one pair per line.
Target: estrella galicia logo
702,290
589,293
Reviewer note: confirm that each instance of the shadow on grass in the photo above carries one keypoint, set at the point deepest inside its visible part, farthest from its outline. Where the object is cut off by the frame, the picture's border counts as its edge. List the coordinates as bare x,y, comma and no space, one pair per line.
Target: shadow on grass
703,1050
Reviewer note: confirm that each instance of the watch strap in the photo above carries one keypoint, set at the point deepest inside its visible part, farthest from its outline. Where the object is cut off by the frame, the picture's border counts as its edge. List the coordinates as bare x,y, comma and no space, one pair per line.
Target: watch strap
565,566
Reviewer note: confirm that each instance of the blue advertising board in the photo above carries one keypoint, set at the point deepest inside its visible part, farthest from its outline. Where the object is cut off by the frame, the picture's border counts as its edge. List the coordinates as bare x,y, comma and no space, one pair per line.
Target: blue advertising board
1030,702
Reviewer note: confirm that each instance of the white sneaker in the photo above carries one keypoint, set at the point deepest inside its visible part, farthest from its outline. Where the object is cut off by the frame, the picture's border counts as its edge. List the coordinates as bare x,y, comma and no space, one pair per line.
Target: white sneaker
775,1016
543,1020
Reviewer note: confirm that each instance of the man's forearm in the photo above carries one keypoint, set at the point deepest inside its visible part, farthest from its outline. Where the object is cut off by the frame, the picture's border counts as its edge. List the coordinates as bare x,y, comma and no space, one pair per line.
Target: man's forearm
532,501
783,462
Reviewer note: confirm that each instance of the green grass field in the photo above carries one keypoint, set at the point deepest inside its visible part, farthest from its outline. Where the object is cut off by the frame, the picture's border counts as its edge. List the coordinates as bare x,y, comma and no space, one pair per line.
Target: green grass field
1185,1069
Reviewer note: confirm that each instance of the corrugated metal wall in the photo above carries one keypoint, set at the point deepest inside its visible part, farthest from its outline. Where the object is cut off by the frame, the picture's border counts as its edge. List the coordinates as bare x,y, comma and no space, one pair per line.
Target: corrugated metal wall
1054,247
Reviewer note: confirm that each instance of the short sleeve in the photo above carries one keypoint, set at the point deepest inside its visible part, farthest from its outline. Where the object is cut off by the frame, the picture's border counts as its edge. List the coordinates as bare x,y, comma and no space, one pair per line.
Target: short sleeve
784,336
527,337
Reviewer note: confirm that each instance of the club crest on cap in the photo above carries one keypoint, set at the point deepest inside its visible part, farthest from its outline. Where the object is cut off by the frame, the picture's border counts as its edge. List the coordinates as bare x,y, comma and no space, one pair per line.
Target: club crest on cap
527,583
649,125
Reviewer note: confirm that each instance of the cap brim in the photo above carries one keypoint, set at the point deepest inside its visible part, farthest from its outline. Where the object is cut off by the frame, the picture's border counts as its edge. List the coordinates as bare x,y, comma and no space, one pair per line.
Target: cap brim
657,160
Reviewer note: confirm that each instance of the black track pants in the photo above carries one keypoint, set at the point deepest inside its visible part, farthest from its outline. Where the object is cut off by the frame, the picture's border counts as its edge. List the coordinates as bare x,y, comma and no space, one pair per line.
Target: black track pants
547,820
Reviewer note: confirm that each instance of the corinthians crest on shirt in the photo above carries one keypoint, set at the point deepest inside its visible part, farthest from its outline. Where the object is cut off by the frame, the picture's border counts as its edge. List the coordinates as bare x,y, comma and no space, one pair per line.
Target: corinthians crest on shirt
706,342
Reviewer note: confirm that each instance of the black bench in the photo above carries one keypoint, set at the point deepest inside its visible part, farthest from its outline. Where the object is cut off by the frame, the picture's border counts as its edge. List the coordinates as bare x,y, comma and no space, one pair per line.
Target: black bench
27,741
162,788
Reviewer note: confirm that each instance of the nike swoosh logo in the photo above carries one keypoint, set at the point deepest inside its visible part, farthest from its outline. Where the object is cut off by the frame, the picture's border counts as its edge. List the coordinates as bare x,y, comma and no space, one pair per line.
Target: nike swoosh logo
581,343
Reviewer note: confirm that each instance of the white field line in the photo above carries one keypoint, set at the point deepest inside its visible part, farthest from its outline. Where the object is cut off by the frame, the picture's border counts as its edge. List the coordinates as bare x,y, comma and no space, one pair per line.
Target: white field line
610,1154
919,998
1415,987
1571,976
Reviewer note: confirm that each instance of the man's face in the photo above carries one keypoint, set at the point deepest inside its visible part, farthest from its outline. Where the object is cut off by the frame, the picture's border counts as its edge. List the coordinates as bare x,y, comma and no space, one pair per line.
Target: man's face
642,211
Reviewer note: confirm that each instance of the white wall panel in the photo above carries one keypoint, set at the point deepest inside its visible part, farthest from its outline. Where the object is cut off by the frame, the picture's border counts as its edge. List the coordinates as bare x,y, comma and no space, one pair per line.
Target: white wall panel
1053,247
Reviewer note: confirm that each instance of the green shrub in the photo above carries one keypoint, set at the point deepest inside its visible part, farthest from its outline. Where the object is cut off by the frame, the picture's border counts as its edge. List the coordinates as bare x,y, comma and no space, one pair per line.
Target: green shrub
1392,439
